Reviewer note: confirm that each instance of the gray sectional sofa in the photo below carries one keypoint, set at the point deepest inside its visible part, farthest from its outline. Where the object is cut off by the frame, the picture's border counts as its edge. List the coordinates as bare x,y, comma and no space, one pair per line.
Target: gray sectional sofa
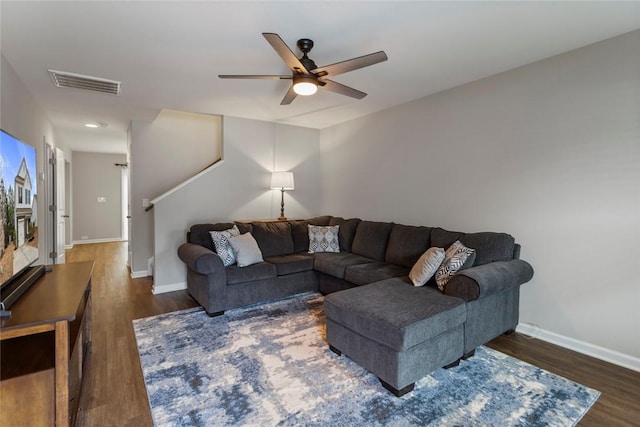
374,314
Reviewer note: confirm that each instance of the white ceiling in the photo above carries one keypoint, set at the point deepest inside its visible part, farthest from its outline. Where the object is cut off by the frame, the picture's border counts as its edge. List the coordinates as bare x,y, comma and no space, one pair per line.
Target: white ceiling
168,54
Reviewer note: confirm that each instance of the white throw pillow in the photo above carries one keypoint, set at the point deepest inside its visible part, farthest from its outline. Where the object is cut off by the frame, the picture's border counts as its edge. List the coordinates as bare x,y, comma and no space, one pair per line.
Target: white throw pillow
246,249
426,266
455,257
323,238
221,243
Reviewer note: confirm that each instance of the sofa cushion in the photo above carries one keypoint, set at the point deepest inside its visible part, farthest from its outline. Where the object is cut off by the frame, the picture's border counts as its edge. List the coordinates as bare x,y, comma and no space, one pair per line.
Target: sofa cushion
222,245
245,249
200,234
259,271
406,244
371,239
426,266
289,264
347,232
490,247
300,231
323,238
442,238
395,313
335,264
363,274
455,258
274,238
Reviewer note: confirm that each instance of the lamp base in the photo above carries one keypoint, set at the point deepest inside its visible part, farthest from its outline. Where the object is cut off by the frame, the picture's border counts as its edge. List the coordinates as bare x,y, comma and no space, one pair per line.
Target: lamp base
282,217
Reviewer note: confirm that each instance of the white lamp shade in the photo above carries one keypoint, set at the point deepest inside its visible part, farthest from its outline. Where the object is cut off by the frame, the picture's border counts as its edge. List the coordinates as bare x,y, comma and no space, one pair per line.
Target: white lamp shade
282,181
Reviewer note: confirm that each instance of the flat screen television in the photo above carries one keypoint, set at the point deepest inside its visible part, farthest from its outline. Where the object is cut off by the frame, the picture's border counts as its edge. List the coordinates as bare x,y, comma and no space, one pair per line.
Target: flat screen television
18,217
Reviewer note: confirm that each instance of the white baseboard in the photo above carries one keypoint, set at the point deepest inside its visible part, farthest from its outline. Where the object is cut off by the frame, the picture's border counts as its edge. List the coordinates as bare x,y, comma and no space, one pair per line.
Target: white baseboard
169,288
592,350
67,247
139,274
86,241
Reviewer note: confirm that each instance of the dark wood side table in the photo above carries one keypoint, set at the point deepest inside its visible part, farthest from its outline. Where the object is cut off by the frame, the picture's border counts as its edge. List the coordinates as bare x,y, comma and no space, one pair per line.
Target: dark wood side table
249,221
43,347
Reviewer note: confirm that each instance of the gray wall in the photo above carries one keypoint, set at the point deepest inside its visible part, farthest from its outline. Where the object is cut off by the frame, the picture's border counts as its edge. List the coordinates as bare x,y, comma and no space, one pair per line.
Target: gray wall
549,152
22,117
162,154
238,188
95,175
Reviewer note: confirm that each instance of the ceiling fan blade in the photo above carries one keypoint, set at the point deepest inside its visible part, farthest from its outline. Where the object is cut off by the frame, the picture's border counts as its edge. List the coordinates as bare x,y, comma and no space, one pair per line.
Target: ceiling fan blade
341,89
289,97
254,76
285,53
351,64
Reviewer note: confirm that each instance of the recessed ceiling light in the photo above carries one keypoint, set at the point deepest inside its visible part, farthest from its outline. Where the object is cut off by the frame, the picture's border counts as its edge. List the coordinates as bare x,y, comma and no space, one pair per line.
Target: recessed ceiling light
96,125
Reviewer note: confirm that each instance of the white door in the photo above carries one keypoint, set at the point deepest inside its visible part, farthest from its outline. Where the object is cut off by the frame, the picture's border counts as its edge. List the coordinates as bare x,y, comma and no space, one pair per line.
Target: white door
60,207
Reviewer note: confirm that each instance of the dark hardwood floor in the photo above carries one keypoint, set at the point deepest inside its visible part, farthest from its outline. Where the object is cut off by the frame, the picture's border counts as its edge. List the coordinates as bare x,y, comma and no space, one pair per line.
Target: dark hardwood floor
113,392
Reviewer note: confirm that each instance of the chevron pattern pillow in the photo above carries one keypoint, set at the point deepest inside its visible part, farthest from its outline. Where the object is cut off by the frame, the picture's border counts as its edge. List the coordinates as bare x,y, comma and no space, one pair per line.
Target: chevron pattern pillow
454,258
222,245
323,238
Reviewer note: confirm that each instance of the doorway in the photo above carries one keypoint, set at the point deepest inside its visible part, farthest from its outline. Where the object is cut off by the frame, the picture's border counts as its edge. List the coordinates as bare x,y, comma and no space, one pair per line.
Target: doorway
55,204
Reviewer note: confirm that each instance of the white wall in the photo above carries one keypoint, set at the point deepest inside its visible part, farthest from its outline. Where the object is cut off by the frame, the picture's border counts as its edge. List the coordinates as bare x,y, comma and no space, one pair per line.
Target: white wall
22,117
162,154
238,188
96,175
549,152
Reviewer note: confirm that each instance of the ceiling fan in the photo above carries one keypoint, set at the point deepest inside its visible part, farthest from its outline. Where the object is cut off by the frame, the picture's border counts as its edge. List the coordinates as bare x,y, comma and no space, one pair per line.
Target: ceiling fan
306,76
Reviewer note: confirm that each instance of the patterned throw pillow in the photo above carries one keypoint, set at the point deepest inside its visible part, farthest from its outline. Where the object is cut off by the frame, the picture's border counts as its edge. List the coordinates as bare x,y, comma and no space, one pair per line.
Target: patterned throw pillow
426,266
323,238
454,259
221,243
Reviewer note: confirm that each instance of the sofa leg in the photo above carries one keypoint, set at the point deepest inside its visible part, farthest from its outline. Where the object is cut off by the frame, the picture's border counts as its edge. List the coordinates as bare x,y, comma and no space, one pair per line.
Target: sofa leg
469,354
395,391
452,364
335,350
215,314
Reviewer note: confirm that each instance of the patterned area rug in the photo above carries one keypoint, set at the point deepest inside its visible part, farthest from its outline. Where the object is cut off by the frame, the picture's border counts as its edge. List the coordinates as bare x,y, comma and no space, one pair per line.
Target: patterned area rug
269,365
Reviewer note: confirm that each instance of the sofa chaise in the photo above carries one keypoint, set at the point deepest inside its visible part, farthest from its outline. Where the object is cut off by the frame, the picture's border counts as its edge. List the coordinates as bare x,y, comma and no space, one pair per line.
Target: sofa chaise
375,314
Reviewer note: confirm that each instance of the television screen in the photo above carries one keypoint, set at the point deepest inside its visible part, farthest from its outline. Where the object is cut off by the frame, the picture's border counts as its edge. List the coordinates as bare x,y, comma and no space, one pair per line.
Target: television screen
18,207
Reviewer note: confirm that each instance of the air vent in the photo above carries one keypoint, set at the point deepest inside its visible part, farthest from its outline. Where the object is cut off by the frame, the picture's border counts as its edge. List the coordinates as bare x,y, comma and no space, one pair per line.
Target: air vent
78,81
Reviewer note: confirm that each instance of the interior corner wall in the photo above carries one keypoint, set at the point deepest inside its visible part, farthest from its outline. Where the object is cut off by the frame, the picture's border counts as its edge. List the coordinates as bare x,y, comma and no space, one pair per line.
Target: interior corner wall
549,152
22,117
162,154
238,188
95,176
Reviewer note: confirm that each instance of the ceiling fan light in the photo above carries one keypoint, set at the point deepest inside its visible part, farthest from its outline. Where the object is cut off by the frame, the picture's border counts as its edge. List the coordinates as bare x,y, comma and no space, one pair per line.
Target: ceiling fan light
305,86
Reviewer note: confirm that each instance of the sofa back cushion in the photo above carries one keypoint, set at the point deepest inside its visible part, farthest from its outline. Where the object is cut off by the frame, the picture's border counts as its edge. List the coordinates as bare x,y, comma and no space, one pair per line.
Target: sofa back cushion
347,231
442,238
274,238
199,233
406,244
490,246
371,239
300,231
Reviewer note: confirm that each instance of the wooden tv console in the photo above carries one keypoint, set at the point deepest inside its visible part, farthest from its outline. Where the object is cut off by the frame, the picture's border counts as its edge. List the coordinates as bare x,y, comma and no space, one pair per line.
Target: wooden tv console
43,346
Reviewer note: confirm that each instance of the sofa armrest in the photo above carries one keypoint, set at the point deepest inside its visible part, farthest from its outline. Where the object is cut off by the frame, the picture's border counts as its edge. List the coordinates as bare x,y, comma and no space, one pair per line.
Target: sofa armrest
492,278
200,259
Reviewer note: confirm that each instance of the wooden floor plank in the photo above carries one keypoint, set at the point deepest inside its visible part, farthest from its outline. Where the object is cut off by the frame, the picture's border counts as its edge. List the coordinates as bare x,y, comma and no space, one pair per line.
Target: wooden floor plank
113,393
